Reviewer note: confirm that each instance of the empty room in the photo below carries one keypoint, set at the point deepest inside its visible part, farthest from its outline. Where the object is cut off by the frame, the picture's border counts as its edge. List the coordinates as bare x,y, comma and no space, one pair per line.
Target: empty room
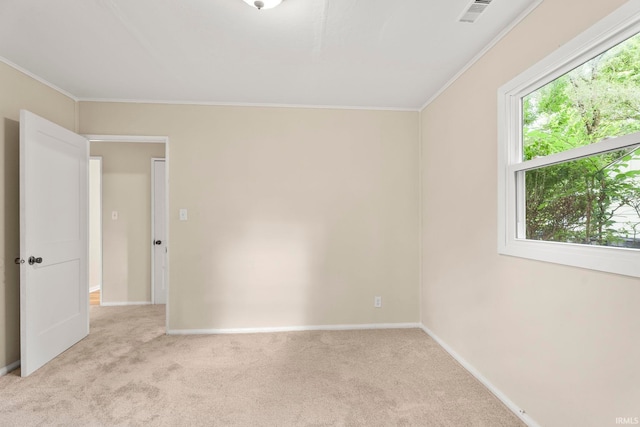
320,212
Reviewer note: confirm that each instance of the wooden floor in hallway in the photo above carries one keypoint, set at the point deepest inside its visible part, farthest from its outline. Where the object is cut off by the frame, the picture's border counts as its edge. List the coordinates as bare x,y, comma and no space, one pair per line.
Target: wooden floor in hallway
94,298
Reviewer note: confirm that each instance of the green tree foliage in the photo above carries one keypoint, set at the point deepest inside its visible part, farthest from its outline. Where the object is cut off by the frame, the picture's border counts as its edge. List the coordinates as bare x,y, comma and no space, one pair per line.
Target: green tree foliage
585,200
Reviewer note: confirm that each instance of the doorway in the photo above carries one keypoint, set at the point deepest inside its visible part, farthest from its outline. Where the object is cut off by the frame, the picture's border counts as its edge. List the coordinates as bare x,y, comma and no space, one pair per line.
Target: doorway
134,205
95,230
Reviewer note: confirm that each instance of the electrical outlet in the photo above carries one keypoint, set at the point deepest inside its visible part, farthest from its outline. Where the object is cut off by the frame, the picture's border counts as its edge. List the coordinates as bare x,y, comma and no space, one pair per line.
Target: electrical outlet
377,302
114,215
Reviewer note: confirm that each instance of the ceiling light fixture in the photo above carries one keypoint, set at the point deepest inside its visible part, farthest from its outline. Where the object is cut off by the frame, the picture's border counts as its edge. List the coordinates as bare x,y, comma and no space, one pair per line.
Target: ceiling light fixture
263,4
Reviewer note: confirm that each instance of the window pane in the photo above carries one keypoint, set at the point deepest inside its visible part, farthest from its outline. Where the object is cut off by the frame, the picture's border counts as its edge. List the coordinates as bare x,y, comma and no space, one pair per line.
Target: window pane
593,201
599,99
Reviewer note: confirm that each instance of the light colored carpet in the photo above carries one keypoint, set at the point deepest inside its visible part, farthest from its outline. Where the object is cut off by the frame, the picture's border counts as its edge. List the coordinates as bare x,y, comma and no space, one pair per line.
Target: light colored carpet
127,372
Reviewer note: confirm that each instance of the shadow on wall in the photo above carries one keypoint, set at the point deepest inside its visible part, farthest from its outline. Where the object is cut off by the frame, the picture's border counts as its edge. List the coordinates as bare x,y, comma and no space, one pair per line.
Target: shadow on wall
269,261
10,271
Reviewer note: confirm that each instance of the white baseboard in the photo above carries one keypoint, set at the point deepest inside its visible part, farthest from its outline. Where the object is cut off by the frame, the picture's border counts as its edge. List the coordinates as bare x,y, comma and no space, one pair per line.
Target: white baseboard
95,288
120,304
4,371
293,329
520,413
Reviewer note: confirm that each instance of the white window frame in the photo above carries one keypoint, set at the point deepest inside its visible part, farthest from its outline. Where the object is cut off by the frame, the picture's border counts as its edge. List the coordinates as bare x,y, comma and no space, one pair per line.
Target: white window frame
615,28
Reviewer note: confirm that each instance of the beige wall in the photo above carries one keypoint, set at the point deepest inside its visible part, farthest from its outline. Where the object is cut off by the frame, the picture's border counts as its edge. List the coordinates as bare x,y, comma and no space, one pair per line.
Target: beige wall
296,216
126,242
561,343
18,91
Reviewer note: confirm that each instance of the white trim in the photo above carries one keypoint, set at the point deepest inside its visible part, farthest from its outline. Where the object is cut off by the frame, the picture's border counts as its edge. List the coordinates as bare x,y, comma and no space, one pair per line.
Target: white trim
420,217
249,104
128,138
480,54
126,303
38,78
94,289
10,367
604,146
608,32
293,329
519,412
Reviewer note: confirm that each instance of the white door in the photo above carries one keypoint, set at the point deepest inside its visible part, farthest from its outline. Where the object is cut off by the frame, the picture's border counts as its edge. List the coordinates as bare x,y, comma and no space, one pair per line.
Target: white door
54,281
159,227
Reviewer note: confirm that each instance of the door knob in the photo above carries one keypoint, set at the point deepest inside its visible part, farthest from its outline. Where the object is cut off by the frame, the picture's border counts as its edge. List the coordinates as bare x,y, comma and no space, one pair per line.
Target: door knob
33,260
158,242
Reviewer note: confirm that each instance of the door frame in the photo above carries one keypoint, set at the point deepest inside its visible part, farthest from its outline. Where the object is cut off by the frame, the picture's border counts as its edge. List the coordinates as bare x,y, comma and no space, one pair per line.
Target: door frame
153,229
149,140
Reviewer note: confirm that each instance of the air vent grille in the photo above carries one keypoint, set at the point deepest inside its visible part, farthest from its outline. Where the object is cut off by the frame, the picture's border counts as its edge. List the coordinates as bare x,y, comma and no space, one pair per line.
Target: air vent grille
473,12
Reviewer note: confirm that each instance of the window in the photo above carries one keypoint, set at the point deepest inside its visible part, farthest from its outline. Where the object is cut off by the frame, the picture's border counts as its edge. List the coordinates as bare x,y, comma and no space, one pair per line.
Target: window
569,152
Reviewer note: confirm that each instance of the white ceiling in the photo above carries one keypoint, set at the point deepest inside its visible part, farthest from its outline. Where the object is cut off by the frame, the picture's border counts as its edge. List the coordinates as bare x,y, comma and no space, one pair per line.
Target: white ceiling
344,53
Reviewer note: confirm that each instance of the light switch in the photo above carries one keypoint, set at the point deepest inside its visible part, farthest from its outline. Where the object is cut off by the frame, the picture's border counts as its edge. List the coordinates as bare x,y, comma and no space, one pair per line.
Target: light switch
183,215
114,215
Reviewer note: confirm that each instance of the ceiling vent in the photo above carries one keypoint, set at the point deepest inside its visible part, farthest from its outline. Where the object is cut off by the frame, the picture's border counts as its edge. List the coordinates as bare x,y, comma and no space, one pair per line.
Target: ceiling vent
474,11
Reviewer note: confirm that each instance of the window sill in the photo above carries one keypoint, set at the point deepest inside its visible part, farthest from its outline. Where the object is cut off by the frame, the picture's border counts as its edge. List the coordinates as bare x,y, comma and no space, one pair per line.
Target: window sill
622,261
